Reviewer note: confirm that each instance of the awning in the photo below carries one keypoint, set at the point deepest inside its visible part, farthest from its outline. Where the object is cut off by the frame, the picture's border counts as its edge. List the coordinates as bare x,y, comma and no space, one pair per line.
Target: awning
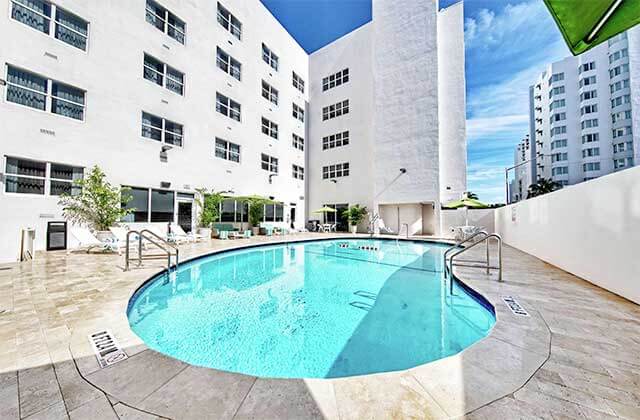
587,23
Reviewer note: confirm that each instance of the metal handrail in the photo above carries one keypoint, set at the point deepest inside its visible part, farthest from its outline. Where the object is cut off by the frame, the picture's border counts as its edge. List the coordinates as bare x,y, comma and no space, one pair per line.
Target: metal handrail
161,243
488,265
457,245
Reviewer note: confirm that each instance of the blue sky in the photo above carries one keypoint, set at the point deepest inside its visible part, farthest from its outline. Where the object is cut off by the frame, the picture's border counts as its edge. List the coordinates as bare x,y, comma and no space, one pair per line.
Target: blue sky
508,44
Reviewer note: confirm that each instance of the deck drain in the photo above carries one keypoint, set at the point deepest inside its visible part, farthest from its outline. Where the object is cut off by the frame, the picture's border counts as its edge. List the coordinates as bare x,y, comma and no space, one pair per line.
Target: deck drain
106,348
515,306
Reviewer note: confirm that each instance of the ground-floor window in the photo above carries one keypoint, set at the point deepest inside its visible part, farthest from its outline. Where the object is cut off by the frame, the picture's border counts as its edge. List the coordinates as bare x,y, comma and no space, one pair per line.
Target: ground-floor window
25,176
150,205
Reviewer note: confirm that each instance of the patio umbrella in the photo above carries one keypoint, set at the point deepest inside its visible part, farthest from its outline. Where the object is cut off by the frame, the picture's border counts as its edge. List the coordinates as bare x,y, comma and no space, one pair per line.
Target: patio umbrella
324,210
587,23
249,199
467,203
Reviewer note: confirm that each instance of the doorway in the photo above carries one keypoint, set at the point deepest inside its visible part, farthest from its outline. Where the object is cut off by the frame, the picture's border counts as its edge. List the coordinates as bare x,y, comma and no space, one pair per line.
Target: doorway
292,217
185,215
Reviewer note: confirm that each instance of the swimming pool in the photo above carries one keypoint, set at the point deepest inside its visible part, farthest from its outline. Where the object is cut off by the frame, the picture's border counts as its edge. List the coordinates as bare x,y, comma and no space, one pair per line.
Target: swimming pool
316,309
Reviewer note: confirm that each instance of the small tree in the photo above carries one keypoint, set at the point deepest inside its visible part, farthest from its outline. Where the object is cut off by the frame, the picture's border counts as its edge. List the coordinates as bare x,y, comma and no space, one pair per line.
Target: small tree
98,205
472,195
209,205
543,186
355,214
256,212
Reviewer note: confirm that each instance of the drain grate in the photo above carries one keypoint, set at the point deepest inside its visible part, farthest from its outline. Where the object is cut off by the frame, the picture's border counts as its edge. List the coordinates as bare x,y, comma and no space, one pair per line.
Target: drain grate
106,348
515,306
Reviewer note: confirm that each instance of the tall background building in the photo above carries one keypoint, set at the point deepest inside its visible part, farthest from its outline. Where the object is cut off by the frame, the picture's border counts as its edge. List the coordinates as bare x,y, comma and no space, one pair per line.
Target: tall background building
586,114
170,96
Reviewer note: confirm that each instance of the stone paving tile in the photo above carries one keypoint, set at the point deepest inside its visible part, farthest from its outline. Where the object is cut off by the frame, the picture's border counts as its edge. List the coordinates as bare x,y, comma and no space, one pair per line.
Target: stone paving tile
53,412
75,390
9,408
135,378
216,392
39,390
127,413
96,409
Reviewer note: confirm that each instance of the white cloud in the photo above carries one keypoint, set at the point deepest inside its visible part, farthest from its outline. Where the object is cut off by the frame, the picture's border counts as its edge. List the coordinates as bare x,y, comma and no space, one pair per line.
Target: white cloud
495,127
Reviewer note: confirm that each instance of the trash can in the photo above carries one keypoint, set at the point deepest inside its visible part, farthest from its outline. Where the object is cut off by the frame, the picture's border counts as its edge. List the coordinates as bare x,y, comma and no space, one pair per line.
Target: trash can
56,236
27,240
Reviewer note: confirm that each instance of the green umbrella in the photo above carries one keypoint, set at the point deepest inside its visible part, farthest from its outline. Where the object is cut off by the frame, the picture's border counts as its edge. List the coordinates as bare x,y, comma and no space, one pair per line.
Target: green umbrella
467,203
587,23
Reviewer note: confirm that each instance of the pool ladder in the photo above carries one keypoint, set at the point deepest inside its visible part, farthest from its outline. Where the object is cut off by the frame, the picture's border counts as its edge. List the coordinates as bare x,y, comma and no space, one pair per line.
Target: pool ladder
457,250
155,239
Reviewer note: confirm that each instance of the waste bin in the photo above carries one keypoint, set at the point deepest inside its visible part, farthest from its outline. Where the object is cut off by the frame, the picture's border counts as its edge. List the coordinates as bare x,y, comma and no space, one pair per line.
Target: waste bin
56,236
27,240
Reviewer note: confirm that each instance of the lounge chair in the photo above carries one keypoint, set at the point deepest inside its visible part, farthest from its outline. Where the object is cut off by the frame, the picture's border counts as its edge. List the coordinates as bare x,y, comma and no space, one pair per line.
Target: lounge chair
223,234
383,228
164,235
247,234
120,233
177,230
88,241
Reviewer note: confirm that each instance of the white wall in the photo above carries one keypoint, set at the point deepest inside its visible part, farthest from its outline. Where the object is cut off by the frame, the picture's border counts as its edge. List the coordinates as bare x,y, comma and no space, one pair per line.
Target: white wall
589,229
111,73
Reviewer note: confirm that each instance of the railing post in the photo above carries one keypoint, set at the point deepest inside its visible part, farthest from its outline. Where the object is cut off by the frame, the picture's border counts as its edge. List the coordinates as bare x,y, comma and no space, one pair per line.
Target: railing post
499,259
139,248
488,262
126,255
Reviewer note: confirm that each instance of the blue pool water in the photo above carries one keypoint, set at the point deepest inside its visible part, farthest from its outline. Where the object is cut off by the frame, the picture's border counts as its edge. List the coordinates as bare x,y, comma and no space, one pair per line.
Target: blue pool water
321,309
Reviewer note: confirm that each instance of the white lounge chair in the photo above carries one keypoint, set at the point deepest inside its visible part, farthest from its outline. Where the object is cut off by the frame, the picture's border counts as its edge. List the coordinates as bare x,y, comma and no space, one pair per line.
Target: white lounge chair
177,230
120,233
88,241
383,228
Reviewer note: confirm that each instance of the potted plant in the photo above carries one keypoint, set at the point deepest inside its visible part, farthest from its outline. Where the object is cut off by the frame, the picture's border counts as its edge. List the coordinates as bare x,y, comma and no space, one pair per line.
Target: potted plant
355,215
256,214
98,205
209,210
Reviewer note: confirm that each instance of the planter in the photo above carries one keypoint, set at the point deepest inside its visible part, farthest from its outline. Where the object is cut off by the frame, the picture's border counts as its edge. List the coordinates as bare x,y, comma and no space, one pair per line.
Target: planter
104,235
255,230
206,232
354,229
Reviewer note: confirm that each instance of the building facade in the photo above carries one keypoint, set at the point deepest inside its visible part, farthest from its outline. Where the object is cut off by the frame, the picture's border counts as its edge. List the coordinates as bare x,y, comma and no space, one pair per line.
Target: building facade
167,97
585,112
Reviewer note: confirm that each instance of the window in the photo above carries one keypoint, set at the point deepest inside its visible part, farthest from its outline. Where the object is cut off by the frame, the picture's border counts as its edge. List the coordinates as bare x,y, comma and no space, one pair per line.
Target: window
297,142
621,115
587,81
228,64
589,138
139,203
64,26
333,111
269,57
624,99
269,128
589,109
162,206
591,166
623,131
227,150
620,84
162,130
556,77
165,21
594,151
623,68
25,176
269,92
558,117
587,67
589,123
559,157
561,170
228,210
298,83
618,55
298,172
556,91
228,107
29,89
335,171
558,143
335,80
163,75
335,140
269,163
559,103
229,22
590,94
620,37
298,113
558,130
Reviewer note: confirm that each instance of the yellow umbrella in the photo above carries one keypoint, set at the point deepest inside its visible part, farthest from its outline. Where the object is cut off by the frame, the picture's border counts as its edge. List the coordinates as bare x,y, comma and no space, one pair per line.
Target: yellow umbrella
325,210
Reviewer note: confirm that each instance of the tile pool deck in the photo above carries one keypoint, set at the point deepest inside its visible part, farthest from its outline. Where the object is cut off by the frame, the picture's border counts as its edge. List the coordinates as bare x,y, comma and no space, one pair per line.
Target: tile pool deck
576,356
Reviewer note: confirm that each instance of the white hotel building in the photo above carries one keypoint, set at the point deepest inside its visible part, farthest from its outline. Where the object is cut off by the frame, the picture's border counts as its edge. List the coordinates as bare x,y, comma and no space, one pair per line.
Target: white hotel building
169,96
585,115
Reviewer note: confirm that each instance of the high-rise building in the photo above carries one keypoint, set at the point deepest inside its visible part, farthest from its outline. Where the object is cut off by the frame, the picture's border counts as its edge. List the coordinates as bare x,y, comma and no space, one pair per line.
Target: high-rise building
586,114
169,96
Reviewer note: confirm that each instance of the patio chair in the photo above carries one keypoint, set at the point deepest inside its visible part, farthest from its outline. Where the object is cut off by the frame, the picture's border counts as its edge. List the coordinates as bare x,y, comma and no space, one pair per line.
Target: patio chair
120,233
180,233
88,241
247,234
383,228
223,234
